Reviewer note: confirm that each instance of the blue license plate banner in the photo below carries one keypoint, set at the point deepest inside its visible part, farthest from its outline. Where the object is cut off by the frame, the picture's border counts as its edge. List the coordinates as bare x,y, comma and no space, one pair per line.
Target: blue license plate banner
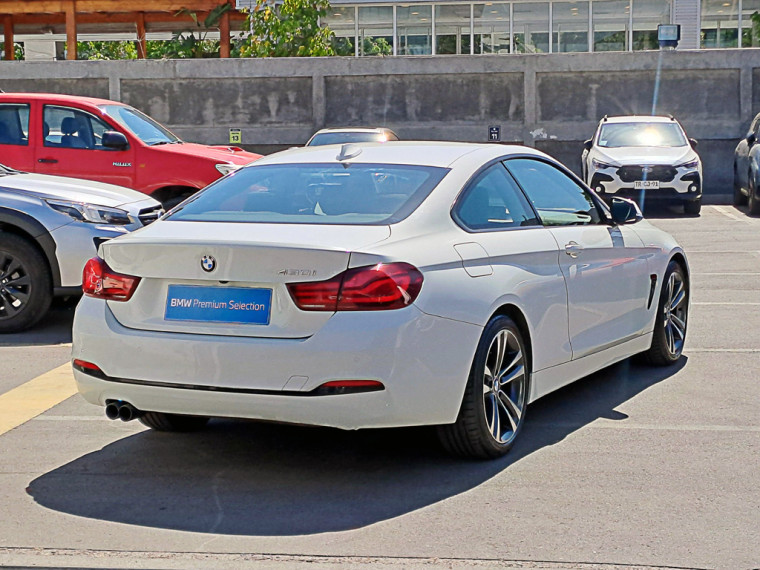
240,305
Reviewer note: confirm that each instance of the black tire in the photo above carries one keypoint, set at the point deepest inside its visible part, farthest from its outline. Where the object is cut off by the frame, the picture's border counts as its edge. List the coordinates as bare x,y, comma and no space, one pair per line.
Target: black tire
693,208
26,285
490,419
754,199
671,321
169,203
160,421
739,198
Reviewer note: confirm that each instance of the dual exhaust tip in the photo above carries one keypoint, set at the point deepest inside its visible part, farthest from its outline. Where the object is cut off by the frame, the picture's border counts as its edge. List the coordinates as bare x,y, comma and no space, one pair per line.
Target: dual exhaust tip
124,411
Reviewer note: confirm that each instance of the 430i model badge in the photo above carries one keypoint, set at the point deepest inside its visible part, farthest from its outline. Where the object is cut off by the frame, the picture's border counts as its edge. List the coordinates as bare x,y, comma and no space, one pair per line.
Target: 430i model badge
208,263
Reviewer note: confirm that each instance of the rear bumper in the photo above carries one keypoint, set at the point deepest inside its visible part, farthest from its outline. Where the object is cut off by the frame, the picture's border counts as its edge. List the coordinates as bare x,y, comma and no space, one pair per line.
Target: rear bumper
423,362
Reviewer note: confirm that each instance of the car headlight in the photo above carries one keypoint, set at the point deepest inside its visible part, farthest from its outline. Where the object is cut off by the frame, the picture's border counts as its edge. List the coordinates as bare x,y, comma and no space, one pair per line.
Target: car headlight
92,213
597,164
224,168
689,165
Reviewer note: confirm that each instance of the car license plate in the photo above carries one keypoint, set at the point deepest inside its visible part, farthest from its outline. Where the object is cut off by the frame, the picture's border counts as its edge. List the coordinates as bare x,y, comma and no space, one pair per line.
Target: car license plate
235,305
646,184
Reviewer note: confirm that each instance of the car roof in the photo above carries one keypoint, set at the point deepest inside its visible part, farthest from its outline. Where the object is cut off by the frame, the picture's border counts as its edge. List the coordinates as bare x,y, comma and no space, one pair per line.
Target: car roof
422,153
58,98
639,119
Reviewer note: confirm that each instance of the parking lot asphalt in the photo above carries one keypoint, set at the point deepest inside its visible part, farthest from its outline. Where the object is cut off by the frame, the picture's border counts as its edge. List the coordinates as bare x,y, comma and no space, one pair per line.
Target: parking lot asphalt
632,467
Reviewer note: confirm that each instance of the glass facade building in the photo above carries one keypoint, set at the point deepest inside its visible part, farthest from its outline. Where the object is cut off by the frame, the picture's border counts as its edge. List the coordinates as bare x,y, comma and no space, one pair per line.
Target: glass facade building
431,27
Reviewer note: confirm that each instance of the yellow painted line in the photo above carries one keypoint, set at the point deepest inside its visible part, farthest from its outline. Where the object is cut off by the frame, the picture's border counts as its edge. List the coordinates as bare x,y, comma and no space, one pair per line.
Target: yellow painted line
35,397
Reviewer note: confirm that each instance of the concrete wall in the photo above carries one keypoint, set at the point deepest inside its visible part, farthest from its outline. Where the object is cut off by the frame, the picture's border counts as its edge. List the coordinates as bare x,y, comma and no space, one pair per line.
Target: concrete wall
552,102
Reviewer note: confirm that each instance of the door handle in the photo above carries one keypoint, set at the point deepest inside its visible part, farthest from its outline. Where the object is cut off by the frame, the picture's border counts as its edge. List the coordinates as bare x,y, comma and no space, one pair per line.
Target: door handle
573,249
47,160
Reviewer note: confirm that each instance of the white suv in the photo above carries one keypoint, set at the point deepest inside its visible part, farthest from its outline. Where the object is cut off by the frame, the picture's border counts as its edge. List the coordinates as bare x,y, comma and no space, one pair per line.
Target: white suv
645,158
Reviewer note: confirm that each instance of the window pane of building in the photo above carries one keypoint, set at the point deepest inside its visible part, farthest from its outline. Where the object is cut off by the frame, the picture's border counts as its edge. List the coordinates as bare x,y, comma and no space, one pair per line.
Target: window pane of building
376,30
647,15
570,26
611,22
414,26
491,28
452,29
720,23
750,29
341,20
531,27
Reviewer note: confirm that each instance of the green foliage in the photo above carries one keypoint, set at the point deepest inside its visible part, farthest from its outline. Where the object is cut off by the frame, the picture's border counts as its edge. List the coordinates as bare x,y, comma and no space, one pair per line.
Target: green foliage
18,50
186,44
287,29
379,46
106,50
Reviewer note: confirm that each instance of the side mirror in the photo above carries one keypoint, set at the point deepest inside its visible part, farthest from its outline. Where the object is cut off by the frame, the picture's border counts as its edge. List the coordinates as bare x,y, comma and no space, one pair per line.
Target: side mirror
115,140
751,138
587,144
693,143
625,211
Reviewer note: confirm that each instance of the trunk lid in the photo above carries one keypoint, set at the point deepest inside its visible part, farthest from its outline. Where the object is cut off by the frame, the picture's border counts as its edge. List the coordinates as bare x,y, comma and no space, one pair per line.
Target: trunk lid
242,290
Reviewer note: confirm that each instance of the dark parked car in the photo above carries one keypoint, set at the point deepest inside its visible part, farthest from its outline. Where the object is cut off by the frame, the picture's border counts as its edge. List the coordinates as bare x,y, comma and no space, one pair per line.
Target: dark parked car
747,169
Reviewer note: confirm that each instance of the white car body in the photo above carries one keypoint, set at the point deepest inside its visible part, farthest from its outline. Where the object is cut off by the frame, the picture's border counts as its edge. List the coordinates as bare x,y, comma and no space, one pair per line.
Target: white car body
657,172
584,294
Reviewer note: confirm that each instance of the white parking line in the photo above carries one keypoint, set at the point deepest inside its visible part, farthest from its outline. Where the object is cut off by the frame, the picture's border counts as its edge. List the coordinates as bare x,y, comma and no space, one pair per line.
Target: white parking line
729,213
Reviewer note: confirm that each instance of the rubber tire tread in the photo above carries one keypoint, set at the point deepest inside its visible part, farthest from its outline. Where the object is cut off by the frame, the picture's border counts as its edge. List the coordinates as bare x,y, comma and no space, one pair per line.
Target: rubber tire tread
754,199
464,437
42,286
658,354
693,208
160,421
739,198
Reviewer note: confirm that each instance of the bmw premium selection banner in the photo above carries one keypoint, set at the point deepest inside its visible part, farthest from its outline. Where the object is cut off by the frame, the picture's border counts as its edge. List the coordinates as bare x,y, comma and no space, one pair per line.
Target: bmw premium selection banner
218,304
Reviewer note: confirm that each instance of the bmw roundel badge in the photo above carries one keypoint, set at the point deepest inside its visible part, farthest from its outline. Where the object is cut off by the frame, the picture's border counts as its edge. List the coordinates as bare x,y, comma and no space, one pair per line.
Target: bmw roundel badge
208,263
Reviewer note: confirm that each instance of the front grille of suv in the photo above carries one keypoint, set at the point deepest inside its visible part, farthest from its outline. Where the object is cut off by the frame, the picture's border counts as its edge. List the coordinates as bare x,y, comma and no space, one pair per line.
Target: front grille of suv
662,173
148,215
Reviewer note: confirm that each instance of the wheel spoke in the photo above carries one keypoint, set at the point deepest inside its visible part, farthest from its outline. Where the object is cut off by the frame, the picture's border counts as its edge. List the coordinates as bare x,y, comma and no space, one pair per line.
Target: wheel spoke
494,424
679,327
20,281
678,298
511,410
11,304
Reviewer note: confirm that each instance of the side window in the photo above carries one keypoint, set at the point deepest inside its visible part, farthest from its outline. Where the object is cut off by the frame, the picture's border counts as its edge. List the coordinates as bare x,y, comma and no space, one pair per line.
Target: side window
556,197
493,202
70,128
14,124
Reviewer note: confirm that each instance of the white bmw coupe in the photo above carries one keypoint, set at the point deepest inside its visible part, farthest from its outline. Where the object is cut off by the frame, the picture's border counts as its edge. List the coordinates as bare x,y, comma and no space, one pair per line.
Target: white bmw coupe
371,285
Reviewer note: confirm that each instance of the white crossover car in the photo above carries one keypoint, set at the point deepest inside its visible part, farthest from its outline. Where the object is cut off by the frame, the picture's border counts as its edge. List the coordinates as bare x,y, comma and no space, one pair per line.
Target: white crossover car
373,285
49,227
645,158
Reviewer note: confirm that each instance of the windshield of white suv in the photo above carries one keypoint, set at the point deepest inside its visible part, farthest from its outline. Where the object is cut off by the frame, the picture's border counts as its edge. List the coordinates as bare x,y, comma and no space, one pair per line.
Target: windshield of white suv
614,135
356,194
141,125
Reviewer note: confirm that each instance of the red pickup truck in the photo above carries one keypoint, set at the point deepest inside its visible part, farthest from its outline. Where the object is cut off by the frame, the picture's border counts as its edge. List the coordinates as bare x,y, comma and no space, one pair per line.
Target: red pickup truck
108,141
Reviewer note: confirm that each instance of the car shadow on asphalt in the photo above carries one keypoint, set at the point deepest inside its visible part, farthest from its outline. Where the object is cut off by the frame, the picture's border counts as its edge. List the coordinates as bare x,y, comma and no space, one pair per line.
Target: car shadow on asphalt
256,479
54,328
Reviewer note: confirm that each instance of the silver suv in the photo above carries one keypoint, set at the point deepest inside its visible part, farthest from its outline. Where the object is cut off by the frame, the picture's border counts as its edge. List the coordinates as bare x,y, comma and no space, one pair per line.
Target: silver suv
49,227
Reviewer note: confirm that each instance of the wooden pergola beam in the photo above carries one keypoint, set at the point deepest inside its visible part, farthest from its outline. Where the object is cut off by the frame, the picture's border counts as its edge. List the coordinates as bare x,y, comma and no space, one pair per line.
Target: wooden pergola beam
107,6
10,52
113,18
71,30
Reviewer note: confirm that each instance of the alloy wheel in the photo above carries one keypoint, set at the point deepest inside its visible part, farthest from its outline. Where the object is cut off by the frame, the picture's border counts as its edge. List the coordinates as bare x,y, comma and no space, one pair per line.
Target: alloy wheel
15,286
504,386
675,309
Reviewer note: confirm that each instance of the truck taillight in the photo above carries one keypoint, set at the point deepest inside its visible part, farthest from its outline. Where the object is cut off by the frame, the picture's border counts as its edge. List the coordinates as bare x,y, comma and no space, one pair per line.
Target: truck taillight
372,288
99,280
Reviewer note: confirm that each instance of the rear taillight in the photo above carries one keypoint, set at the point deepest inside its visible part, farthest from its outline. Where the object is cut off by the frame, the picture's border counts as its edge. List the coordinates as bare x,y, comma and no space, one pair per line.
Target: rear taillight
99,280
373,288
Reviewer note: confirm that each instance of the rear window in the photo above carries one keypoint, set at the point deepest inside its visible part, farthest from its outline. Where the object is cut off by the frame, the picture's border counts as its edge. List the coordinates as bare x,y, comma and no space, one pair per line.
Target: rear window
350,194
346,137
